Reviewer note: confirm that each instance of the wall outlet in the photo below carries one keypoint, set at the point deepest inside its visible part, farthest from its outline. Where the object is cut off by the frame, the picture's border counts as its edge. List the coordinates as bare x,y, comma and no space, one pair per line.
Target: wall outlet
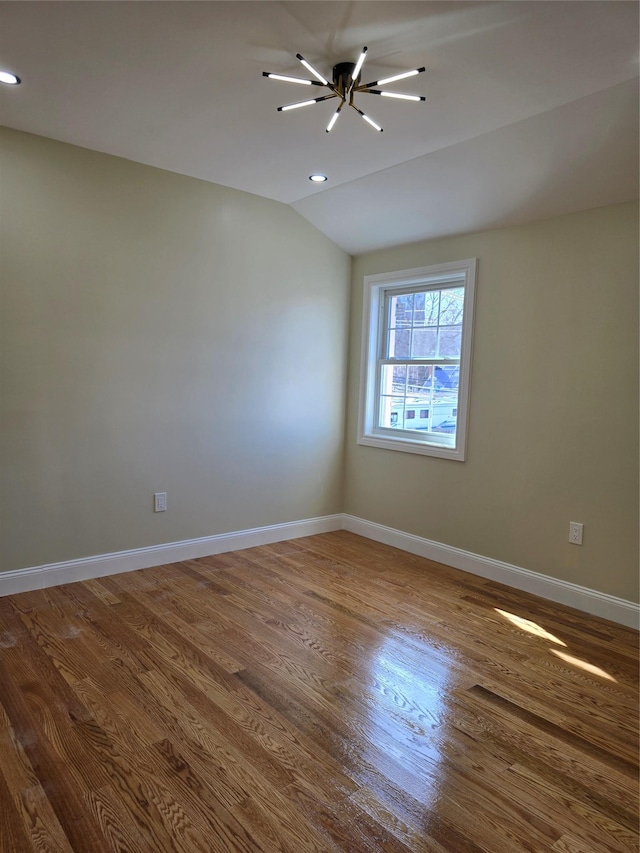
575,532
160,502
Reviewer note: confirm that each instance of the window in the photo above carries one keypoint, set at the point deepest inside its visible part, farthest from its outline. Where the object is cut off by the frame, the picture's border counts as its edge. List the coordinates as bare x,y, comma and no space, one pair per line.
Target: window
416,359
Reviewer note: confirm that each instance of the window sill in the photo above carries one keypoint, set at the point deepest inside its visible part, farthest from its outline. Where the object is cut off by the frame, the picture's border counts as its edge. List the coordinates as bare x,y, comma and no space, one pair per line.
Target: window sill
409,445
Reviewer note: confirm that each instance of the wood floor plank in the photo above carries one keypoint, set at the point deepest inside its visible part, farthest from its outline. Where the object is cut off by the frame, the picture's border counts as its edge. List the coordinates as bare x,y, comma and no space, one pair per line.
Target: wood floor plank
13,833
607,753
411,830
553,757
323,695
216,740
591,825
63,769
42,825
120,831
39,821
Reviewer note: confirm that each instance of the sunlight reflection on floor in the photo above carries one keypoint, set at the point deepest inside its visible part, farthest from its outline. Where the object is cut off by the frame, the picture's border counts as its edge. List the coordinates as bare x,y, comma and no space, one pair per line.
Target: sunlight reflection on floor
583,664
529,626
538,631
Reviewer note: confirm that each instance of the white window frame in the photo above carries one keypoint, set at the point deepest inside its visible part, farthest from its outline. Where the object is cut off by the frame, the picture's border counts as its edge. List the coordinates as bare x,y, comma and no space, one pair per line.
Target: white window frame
376,288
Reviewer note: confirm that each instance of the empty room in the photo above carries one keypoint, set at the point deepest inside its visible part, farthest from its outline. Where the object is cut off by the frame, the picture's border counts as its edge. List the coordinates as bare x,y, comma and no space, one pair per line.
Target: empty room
319,417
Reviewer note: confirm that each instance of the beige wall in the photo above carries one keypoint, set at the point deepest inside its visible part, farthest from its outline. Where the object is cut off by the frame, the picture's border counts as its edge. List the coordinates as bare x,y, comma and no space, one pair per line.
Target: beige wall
160,333
553,431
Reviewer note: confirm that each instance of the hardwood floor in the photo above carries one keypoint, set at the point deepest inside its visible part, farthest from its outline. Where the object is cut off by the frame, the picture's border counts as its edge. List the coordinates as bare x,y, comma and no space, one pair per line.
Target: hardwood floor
325,694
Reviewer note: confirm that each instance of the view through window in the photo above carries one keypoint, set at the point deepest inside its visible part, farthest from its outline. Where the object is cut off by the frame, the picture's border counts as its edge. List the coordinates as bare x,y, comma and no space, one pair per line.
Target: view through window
426,327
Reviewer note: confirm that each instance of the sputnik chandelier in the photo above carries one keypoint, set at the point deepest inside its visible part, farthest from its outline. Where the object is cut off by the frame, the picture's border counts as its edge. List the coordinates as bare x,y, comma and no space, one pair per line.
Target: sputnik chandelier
346,82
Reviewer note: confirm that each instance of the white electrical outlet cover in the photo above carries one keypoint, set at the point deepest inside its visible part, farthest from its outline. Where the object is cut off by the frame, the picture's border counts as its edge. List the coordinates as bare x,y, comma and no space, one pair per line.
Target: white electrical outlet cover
575,532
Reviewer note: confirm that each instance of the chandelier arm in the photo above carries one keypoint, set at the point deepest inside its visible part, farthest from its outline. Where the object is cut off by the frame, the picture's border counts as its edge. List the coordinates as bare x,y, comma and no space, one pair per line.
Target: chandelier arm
317,74
392,79
357,69
366,118
306,103
310,68
335,116
287,78
397,95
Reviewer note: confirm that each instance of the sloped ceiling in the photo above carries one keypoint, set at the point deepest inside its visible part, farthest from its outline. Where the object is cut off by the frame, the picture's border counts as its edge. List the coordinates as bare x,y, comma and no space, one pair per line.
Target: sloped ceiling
531,111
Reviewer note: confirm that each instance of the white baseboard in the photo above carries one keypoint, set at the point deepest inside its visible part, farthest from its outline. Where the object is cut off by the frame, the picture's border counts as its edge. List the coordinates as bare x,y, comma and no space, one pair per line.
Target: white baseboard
54,574
581,597
589,600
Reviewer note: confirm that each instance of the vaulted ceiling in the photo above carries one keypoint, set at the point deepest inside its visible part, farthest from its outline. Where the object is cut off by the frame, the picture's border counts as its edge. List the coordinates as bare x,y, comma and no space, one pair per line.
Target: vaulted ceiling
531,110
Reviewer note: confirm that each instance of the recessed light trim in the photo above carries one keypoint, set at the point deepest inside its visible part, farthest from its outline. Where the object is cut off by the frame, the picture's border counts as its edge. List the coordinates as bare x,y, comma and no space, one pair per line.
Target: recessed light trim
318,179
9,79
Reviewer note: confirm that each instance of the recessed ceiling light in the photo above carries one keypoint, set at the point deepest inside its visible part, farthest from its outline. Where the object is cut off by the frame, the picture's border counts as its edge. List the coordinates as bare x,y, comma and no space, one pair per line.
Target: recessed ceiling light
9,78
318,179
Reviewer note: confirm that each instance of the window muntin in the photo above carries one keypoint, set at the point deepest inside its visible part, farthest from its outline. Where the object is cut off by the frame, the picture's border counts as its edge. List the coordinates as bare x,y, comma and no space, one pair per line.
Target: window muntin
417,350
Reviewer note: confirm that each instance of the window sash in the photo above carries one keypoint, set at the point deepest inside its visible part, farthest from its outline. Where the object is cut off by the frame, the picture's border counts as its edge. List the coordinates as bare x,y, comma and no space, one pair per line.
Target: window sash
387,322
426,436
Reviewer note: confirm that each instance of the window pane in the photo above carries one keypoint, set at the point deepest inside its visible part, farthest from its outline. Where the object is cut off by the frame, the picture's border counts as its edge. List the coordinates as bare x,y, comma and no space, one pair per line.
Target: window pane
450,341
391,412
401,311
393,379
451,306
431,307
440,417
418,309
446,378
424,343
446,425
419,379
444,412
399,343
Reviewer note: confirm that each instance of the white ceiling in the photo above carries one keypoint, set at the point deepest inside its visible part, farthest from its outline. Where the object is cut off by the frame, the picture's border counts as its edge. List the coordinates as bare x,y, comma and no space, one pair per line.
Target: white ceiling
531,111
